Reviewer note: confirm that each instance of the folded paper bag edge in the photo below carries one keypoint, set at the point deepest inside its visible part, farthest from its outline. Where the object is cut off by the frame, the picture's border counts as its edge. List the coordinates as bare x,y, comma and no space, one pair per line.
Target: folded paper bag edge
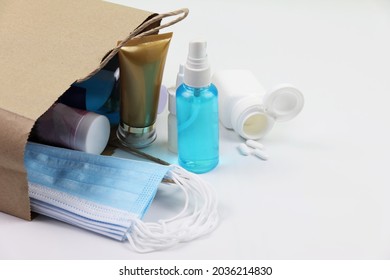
14,198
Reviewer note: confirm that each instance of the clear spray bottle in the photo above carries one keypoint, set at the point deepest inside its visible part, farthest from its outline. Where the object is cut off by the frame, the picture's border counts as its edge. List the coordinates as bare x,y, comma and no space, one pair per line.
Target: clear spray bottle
197,113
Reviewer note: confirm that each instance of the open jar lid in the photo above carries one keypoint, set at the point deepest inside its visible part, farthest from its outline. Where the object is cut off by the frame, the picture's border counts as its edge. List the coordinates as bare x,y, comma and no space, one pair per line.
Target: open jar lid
284,102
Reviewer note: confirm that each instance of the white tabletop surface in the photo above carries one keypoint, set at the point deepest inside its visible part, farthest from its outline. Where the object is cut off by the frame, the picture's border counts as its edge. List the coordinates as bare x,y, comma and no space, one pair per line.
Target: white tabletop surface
324,193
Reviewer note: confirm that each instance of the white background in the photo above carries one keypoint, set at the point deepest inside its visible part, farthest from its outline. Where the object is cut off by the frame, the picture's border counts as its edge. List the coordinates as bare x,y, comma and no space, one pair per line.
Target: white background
324,193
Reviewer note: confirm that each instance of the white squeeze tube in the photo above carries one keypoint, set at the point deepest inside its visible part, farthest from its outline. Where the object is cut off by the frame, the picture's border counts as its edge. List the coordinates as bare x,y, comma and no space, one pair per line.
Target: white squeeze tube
198,217
172,120
248,109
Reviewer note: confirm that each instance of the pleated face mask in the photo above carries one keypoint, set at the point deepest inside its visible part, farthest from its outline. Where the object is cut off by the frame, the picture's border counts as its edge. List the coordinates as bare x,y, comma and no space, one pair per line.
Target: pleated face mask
110,196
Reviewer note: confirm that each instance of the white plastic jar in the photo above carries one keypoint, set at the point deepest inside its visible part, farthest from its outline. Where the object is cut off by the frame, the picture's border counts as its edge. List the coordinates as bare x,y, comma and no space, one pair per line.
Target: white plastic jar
245,107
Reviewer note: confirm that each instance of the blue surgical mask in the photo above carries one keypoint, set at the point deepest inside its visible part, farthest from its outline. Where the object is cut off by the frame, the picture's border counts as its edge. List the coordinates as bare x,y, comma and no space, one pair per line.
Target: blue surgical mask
110,195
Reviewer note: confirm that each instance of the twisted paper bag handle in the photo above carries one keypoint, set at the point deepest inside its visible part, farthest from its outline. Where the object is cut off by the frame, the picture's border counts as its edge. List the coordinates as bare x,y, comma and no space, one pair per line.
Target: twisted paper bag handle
136,33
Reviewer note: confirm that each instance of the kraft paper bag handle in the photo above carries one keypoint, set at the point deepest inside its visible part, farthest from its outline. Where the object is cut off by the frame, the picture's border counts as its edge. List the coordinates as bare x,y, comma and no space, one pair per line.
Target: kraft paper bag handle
138,32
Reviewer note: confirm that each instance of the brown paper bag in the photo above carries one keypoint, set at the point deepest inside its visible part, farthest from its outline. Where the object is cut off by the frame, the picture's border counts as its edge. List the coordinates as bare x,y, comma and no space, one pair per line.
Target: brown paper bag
45,45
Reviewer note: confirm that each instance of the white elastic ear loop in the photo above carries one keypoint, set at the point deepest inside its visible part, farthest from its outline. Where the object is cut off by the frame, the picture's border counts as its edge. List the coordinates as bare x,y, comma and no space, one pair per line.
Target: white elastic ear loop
201,219
148,237
198,217
200,190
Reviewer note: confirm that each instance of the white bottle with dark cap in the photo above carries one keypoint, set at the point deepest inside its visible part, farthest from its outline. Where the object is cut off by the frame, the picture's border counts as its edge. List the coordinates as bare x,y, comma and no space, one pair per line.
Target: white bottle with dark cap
72,128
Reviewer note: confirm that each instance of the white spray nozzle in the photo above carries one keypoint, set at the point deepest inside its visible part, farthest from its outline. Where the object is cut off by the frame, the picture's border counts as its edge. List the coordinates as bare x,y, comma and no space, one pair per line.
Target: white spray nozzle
197,53
197,69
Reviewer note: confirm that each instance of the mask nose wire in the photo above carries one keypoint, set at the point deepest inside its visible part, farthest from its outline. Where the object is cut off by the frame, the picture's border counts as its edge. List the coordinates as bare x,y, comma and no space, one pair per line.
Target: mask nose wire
198,217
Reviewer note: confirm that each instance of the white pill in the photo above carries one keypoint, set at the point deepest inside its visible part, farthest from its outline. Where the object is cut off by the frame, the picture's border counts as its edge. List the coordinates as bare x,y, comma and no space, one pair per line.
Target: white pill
260,154
244,149
254,144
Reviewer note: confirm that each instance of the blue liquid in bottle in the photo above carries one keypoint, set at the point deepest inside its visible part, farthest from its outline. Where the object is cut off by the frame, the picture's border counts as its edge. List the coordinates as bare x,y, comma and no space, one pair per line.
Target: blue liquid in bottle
197,126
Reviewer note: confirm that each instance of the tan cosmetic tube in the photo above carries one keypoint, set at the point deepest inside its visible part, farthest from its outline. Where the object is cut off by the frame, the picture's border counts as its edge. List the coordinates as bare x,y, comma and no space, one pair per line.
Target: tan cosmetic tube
141,63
